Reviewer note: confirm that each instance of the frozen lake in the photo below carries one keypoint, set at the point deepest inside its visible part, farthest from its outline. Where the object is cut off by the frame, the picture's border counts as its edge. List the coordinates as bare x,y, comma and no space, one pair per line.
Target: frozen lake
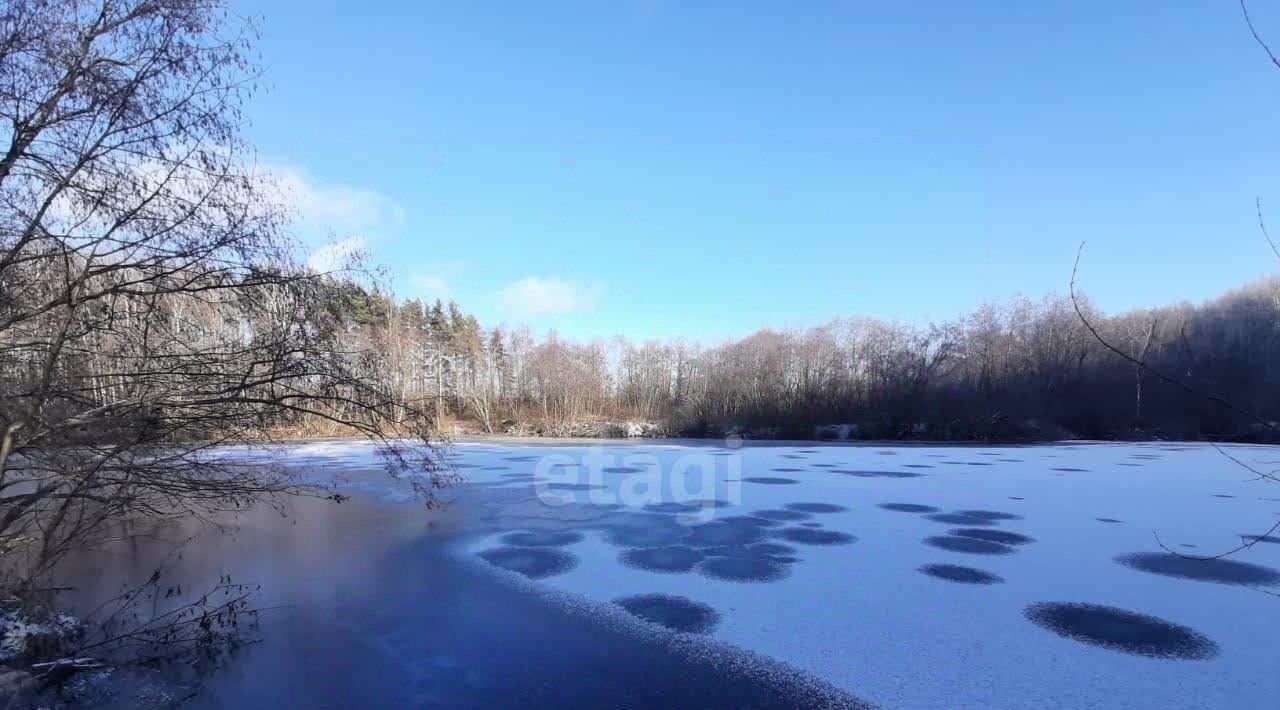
902,576
923,577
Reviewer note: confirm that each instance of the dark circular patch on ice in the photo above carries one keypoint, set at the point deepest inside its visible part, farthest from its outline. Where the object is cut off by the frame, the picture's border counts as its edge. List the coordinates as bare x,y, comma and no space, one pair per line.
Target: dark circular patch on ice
704,504
1222,571
908,508
781,514
672,508
959,573
989,514
958,519
809,536
877,474
675,613
622,469
1003,537
532,562
573,487
772,550
760,522
724,532
542,538
967,544
744,569
1068,469
816,507
1262,538
1016,498
1121,630
1222,495
770,480
674,558
1108,520
784,469
647,536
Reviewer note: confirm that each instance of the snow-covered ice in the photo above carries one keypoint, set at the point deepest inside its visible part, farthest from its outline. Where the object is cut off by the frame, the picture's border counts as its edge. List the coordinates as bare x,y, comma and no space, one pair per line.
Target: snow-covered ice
910,576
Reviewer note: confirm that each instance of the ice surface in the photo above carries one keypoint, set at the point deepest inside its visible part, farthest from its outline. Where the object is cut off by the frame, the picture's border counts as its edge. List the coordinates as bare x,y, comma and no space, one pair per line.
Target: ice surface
849,599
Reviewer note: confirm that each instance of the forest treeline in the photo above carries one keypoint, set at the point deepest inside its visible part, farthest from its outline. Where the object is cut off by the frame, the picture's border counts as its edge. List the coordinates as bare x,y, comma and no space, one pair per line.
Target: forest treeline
1018,370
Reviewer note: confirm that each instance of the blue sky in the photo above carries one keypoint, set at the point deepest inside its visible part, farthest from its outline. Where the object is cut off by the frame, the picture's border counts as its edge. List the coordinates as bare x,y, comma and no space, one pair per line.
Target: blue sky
704,169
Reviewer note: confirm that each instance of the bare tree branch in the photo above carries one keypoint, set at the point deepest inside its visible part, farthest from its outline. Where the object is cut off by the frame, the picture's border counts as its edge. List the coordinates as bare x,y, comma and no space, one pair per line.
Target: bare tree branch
1169,379
1244,9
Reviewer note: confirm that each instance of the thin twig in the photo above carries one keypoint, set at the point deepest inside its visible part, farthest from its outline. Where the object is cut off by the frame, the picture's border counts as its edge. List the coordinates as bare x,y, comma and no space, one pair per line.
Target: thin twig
1244,8
1176,382
1244,465
1263,226
1239,548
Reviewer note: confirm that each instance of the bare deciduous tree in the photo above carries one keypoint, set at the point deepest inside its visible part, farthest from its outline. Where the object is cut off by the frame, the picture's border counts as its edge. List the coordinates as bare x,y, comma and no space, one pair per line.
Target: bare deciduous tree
150,301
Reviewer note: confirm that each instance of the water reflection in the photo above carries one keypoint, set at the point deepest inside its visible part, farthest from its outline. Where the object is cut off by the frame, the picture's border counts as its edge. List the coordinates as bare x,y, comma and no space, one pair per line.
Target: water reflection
375,610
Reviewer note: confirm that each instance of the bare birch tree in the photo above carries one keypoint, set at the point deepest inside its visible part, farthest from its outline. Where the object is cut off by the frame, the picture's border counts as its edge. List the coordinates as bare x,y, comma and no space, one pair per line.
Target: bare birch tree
150,301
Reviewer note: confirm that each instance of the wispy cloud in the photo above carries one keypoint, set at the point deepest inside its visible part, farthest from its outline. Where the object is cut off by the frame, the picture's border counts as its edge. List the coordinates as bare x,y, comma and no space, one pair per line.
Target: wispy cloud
430,286
534,296
325,208
333,221
333,256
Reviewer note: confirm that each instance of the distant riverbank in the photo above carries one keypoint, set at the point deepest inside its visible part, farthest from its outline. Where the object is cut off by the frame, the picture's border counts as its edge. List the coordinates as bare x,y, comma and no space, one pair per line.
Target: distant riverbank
733,440
1030,432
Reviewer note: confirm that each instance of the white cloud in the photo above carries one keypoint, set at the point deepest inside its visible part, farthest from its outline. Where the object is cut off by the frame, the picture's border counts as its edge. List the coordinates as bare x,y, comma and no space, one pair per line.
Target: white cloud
533,296
333,221
321,208
333,256
430,286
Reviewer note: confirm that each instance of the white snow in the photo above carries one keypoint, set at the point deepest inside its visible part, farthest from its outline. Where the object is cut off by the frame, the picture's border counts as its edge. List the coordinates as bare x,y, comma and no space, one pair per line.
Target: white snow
17,630
861,616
